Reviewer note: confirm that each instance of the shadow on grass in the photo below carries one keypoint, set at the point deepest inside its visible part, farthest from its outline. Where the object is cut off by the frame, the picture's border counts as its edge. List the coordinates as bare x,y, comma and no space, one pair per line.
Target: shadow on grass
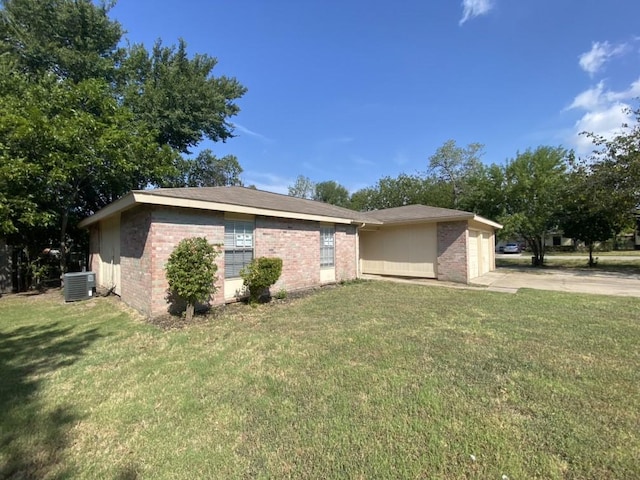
33,432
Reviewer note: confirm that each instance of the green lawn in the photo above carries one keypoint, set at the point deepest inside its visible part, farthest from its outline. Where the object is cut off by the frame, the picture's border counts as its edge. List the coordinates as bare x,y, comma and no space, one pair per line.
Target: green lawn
630,265
367,380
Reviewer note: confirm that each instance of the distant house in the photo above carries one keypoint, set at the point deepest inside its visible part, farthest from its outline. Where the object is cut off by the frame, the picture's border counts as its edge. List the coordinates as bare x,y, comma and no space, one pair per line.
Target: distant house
132,238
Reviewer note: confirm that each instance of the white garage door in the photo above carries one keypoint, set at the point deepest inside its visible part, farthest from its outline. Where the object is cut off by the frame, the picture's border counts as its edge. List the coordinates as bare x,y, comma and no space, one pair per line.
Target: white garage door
408,251
479,253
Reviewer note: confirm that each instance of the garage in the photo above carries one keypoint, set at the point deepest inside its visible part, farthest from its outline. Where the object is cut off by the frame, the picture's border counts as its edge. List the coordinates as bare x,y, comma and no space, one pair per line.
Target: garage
407,250
427,242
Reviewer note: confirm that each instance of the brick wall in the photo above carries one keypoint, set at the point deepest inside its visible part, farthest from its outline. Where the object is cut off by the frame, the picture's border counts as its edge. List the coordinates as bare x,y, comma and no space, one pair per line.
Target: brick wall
149,235
346,252
168,227
135,259
297,243
452,251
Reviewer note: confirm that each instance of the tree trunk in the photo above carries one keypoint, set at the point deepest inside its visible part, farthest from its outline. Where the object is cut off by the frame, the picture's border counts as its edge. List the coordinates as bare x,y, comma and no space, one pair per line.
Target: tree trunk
190,310
591,262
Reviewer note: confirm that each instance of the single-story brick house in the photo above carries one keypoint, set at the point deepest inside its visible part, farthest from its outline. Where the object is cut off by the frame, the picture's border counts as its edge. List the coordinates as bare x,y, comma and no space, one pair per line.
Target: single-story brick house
132,238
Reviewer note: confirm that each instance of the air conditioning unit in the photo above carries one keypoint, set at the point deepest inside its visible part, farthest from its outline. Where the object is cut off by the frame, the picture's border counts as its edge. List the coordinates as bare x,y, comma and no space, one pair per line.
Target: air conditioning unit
79,286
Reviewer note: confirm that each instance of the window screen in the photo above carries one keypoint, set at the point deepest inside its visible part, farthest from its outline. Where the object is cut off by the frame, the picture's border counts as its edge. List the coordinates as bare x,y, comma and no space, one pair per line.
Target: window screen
327,246
238,246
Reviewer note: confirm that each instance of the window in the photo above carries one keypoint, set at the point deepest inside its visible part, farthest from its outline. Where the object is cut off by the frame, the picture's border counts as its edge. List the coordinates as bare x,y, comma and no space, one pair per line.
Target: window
238,246
557,240
327,246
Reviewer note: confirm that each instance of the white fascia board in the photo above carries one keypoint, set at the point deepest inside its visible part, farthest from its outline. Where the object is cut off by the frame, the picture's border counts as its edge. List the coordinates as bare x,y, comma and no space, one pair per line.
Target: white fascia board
118,206
486,221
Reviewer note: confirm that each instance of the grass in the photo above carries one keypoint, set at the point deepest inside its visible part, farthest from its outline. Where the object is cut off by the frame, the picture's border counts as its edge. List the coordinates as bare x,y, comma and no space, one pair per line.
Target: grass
367,380
630,265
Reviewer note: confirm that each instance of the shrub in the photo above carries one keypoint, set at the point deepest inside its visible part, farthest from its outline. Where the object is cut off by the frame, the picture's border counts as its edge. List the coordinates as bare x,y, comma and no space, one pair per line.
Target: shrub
191,271
260,274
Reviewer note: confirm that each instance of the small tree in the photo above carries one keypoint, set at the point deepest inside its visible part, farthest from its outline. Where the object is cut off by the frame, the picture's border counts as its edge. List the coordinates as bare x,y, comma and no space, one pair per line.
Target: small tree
260,274
191,271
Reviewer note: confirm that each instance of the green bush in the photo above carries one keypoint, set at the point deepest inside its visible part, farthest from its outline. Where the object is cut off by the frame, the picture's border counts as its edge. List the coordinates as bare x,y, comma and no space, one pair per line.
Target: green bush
191,271
260,274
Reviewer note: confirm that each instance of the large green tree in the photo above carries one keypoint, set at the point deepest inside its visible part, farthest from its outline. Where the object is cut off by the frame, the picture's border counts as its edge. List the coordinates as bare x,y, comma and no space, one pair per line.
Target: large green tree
533,186
332,192
455,165
178,96
206,170
83,121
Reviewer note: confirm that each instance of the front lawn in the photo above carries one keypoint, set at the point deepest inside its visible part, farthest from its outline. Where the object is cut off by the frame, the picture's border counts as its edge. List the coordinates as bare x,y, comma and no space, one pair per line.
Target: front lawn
367,380
630,265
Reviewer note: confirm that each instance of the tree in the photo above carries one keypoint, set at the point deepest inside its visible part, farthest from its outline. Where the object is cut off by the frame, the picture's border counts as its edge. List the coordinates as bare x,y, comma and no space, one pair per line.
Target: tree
402,190
83,121
533,185
191,272
303,188
72,40
332,192
616,165
485,192
178,96
67,150
454,165
207,171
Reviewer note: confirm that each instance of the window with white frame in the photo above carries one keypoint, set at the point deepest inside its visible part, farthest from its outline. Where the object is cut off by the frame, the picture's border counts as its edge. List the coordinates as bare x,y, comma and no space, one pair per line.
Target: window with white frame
238,246
327,246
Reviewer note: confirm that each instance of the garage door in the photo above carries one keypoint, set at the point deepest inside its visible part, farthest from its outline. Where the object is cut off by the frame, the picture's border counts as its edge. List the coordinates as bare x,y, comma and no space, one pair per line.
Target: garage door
408,251
479,253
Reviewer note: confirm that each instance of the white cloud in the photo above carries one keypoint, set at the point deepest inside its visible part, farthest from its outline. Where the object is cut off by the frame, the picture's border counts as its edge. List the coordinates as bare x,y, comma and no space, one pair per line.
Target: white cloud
605,111
600,53
475,8
251,133
605,122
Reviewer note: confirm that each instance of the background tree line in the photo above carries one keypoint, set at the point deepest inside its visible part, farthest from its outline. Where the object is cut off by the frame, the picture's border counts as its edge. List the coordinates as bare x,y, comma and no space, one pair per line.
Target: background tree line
538,191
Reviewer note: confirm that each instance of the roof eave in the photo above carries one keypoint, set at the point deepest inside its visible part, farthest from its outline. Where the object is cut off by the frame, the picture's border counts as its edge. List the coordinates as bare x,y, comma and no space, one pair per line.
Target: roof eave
142,197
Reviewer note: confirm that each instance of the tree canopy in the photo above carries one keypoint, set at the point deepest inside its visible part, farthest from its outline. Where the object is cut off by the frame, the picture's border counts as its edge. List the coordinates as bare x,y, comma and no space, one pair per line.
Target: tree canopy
83,120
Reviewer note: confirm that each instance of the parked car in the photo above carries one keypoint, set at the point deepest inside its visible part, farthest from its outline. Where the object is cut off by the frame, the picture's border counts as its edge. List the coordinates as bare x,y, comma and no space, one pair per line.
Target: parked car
512,248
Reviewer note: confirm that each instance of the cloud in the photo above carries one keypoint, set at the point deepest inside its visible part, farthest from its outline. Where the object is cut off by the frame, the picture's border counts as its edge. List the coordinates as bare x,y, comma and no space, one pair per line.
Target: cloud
251,133
605,111
475,8
600,53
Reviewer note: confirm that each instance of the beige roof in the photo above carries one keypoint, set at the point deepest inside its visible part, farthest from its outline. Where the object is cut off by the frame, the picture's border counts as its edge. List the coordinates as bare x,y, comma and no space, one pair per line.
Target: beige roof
236,200
423,213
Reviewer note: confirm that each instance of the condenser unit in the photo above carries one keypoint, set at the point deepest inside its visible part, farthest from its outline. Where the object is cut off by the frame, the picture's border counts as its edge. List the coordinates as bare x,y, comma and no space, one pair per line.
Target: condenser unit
79,286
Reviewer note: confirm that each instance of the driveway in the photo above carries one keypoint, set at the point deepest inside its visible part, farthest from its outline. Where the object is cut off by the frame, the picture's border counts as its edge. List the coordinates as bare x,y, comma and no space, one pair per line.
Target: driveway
582,281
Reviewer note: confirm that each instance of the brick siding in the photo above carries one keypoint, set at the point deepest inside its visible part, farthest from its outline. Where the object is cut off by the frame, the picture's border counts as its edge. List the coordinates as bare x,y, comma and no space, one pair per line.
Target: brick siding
452,252
149,235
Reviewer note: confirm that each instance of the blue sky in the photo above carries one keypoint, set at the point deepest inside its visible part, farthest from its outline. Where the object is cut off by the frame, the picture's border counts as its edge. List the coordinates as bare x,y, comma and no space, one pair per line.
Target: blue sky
354,90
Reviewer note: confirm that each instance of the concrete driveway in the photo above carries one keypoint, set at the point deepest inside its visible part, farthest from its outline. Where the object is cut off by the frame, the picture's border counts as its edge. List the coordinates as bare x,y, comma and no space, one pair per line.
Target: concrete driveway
582,281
